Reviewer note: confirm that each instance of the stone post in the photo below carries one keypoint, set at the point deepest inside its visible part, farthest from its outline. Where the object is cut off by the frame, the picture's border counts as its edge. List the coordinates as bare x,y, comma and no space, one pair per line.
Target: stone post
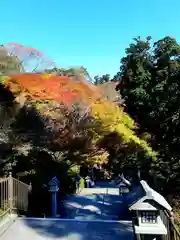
54,204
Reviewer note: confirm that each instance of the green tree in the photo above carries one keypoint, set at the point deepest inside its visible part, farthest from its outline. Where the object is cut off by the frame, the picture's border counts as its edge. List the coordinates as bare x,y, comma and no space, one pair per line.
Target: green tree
150,87
103,79
79,73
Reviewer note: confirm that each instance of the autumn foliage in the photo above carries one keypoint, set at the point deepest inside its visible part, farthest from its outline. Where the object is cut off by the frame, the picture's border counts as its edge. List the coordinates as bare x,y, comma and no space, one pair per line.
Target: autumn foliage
48,88
80,114
51,87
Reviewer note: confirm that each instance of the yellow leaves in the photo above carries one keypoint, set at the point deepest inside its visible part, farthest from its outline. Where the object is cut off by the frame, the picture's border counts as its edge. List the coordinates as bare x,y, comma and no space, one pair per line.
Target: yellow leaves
113,119
3,79
46,75
98,159
111,115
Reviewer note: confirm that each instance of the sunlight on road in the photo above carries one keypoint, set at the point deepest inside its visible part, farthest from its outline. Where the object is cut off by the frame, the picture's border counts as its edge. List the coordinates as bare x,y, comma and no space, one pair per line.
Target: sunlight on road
92,209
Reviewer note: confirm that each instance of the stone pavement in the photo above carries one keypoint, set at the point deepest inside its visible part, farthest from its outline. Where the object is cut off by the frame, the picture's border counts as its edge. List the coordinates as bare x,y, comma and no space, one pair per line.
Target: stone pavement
102,202
68,230
88,215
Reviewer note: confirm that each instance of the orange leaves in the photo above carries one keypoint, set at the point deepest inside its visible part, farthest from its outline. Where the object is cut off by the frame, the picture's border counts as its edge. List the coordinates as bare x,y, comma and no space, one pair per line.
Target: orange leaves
51,87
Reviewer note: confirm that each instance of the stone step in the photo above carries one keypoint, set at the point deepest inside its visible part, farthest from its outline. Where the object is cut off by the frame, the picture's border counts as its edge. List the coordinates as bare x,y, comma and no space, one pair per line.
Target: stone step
112,191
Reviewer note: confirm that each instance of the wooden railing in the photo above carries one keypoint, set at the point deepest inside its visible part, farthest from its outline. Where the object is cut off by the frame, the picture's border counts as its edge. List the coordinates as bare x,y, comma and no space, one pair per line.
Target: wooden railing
172,230
13,195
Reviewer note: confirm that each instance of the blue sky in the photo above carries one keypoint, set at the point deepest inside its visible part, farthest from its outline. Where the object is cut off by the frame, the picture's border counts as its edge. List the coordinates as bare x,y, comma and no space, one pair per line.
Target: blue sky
92,33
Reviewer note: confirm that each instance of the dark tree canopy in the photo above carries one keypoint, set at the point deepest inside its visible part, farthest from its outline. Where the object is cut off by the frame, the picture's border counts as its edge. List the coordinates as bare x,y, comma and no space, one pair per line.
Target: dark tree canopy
150,85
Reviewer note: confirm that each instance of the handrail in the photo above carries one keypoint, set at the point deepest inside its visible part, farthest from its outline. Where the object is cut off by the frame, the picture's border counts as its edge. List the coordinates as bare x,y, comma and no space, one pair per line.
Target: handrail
20,182
13,195
173,224
3,179
173,232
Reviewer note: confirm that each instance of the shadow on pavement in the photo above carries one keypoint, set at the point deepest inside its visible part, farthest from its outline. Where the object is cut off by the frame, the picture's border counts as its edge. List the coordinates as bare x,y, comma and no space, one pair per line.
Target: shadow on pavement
81,219
79,230
85,207
97,206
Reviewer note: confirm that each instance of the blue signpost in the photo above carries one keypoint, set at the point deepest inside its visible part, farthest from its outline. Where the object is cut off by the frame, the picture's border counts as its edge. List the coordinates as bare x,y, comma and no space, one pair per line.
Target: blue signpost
53,188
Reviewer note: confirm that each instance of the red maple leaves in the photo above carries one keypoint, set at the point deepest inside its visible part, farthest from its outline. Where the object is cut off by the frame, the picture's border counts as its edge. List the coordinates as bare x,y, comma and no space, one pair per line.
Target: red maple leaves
39,86
51,87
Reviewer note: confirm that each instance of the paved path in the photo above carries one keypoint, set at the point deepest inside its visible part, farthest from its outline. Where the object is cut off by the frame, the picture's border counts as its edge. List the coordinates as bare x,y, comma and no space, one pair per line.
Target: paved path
89,218
63,230
101,202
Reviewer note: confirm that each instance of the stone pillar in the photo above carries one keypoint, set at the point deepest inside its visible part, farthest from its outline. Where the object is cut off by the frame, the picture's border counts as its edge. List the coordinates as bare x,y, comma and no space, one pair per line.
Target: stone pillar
53,189
54,204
